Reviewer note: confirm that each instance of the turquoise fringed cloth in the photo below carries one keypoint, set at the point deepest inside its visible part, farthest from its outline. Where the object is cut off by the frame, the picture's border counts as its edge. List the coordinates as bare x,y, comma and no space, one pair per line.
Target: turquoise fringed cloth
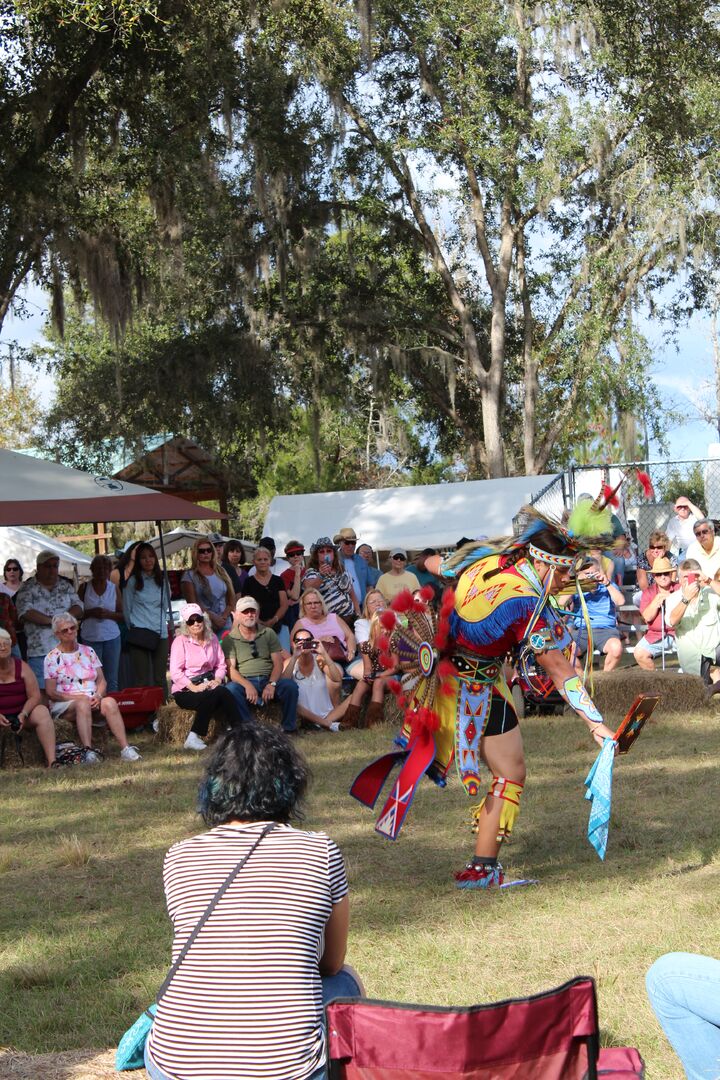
599,791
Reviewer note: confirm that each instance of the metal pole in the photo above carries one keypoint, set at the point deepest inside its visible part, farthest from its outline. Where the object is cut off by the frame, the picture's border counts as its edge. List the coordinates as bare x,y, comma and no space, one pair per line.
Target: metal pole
662,628
164,570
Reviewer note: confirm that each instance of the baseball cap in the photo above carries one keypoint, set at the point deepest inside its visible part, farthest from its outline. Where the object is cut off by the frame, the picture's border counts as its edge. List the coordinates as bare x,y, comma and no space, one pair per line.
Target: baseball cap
398,551
186,610
247,602
44,556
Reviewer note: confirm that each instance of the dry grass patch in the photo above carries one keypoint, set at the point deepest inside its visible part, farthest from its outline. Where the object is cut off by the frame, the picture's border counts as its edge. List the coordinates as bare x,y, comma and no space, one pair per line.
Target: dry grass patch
84,946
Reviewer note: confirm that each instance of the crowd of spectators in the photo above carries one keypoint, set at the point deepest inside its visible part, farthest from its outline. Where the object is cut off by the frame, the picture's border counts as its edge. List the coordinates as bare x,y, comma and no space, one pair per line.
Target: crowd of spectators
304,629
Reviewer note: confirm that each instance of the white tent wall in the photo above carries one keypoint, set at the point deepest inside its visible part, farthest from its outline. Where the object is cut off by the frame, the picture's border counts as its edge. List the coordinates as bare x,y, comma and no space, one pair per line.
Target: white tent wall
436,515
25,544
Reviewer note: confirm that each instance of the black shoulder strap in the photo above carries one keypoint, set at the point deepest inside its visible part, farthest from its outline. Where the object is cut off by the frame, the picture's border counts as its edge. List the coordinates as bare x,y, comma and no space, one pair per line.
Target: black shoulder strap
209,910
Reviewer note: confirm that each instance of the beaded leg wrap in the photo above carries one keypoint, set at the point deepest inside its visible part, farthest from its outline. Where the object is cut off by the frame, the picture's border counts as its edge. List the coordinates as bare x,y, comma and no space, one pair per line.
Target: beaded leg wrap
507,790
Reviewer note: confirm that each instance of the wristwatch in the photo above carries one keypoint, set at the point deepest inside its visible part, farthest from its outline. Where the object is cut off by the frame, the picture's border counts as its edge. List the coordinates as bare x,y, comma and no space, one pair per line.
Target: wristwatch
272,683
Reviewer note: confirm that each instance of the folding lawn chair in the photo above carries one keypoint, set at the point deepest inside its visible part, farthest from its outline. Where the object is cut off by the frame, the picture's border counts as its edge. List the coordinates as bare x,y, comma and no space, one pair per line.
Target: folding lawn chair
549,1036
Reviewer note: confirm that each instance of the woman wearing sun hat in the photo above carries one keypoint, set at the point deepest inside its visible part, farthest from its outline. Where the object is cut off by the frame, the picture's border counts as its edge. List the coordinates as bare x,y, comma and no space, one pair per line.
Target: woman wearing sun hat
198,670
655,605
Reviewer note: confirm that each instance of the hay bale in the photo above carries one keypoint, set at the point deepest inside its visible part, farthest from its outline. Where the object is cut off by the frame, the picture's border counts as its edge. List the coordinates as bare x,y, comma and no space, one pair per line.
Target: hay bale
614,692
32,751
174,723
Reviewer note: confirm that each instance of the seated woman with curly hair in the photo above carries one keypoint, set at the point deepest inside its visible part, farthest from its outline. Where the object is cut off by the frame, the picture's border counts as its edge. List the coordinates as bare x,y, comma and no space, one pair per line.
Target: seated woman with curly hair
247,1002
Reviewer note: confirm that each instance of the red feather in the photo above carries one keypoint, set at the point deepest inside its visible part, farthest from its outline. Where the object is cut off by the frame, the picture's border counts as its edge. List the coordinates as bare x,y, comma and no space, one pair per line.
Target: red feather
386,661
388,620
403,601
446,669
402,701
384,643
446,688
427,593
394,686
646,484
448,602
610,498
419,605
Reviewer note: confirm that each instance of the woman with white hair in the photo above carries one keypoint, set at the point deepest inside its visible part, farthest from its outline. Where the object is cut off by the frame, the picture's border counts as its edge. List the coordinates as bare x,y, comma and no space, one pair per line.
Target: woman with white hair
198,670
76,688
20,701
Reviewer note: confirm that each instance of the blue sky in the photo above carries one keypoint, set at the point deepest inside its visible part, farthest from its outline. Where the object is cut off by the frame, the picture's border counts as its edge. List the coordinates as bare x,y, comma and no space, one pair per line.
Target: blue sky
682,373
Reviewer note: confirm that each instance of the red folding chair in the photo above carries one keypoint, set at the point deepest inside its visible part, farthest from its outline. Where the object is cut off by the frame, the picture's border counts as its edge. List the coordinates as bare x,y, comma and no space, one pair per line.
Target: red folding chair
549,1036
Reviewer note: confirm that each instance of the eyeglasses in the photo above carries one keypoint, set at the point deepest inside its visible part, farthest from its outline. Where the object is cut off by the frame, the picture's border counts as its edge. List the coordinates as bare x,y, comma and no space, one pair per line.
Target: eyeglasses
66,629
293,554
248,611
205,551
656,547
353,542
663,573
51,564
253,648
400,558
682,507
702,532
14,569
194,620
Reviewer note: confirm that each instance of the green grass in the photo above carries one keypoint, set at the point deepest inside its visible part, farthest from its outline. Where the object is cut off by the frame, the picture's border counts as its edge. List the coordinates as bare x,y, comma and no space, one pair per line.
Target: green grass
84,940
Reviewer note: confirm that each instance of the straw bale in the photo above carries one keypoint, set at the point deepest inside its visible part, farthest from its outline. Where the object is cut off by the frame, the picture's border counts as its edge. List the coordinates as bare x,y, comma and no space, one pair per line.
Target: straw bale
65,731
174,723
614,692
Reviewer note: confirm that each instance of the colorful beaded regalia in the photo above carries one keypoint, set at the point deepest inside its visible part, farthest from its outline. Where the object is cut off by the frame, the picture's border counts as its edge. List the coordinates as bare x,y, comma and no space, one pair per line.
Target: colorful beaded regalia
452,665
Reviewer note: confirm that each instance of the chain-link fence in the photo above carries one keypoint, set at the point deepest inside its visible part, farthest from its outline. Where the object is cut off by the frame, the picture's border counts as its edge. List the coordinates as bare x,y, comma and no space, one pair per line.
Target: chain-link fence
697,479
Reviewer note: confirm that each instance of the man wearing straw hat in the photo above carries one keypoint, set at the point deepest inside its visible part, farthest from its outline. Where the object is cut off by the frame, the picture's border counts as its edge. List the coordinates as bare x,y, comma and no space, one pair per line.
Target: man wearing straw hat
655,605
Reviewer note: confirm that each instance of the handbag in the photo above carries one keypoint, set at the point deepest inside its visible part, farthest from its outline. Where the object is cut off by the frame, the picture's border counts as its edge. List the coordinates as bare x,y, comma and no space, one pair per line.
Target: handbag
336,650
143,638
130,1053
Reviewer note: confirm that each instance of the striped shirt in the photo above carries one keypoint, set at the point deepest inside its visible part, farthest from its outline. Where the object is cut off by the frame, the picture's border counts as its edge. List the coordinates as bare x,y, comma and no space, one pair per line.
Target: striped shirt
246,1001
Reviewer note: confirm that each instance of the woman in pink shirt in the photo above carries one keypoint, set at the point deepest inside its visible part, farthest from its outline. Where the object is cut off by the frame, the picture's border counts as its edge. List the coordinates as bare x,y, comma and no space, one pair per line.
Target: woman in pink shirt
198,670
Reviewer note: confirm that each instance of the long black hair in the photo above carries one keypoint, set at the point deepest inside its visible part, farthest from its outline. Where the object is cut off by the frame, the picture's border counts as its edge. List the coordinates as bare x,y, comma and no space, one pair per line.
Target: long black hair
137,572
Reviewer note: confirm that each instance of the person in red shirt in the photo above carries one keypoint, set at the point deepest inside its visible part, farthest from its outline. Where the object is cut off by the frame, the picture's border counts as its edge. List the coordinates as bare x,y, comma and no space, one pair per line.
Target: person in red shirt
660,635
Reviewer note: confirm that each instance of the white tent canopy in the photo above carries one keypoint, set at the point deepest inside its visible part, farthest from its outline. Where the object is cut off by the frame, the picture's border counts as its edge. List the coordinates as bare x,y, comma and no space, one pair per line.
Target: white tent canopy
436,515
180,539
25,545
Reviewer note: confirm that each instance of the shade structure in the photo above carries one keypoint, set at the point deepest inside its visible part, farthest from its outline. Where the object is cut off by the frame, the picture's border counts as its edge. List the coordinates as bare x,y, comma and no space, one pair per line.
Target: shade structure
37,492
181,539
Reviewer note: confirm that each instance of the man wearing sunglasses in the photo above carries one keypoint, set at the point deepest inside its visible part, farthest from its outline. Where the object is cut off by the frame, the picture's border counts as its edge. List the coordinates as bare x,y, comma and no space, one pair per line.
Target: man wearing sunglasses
355,566
705,548
255,663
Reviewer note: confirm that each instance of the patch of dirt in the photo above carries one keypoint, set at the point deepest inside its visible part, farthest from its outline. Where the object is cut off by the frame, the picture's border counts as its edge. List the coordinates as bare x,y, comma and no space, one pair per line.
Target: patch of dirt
71,1065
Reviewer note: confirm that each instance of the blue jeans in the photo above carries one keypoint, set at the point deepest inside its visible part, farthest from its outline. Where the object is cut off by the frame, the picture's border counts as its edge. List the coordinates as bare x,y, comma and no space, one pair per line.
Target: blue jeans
37,666
286,692
684,991
108,653
340,985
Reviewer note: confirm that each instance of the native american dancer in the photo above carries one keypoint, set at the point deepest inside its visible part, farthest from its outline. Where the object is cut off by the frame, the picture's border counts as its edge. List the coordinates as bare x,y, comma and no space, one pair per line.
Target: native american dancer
453,682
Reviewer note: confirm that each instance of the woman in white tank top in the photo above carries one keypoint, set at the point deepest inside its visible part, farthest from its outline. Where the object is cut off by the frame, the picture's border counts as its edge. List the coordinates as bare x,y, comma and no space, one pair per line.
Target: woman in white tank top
103,612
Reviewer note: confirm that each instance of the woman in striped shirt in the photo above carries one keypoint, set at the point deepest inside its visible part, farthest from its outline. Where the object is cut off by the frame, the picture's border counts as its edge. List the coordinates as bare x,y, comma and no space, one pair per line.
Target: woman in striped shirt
246,1002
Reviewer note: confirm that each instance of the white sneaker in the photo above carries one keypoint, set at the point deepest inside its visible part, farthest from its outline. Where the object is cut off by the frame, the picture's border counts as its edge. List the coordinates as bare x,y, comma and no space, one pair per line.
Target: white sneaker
130,753
335,726
156,725
91,758
194,742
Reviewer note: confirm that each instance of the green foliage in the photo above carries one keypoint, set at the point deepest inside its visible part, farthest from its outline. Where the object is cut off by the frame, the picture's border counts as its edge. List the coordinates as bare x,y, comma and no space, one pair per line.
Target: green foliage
688,481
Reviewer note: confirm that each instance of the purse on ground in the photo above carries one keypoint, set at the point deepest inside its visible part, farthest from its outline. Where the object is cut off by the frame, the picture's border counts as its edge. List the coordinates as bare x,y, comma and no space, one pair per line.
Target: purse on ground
130,1053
